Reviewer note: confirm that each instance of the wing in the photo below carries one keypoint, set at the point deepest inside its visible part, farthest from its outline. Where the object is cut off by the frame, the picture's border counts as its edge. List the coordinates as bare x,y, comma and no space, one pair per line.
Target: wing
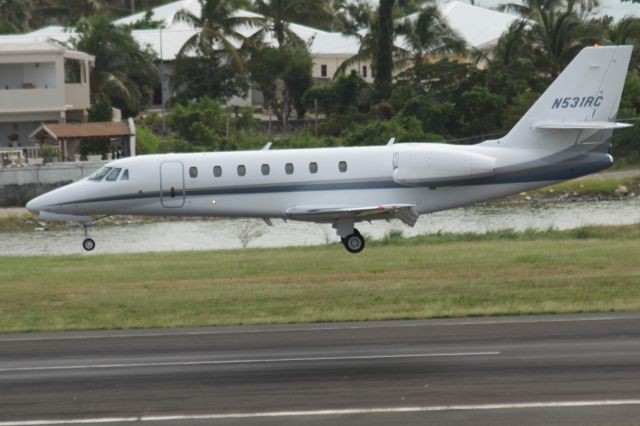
405,212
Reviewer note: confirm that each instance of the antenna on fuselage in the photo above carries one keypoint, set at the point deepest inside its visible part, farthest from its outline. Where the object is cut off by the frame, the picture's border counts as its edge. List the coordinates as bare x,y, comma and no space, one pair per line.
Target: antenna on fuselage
266,146
391,141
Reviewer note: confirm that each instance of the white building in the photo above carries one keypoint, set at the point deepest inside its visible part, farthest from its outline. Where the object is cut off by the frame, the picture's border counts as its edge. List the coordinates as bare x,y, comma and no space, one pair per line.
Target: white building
40,82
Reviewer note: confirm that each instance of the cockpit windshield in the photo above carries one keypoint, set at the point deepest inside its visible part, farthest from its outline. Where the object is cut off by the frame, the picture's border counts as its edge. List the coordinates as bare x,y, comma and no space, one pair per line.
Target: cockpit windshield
99,174
113,176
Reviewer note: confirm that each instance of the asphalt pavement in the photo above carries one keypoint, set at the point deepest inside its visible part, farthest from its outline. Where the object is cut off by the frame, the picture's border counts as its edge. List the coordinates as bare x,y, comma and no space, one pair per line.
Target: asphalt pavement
553,369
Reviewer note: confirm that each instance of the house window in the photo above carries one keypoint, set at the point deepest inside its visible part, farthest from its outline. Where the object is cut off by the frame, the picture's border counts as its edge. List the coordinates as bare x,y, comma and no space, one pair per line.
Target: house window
313,167
72,71
323,70
342,166
193,172
288,168
265,169
242,170
217,171
364,71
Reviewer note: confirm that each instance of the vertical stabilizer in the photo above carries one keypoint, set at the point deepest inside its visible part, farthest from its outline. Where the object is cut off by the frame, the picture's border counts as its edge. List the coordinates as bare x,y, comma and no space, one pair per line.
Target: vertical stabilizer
582,100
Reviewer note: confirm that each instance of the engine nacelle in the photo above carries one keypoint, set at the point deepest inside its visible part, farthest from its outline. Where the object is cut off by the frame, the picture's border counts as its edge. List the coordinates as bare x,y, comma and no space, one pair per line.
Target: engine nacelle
438,165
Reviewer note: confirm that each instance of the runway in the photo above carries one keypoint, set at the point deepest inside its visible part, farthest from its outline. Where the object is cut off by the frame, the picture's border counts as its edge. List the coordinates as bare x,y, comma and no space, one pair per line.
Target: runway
564,369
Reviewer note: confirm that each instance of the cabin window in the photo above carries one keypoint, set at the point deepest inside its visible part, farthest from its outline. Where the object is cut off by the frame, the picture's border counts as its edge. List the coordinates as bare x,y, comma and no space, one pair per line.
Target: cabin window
193,172
242,170
113,176
288,168
217,171
99,174
265,169
313,167
125,175
342,166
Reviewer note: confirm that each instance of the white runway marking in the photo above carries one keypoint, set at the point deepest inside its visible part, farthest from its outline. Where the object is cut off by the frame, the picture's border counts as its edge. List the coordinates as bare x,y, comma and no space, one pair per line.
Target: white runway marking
242,361
354,326
313,413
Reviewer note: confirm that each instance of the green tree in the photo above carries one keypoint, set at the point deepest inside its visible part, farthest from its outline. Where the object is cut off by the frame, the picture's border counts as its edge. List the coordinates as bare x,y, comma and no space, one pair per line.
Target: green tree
283,75
123,71
337,97
16,15
205,75
101,110
69,12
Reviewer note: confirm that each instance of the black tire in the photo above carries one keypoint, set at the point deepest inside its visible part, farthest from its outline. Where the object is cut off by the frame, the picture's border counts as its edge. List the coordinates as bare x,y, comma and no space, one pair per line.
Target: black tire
88,244
354,243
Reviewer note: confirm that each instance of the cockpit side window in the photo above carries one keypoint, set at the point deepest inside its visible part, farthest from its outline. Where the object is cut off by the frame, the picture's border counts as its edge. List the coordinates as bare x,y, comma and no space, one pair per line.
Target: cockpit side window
113,176
125,175
99,174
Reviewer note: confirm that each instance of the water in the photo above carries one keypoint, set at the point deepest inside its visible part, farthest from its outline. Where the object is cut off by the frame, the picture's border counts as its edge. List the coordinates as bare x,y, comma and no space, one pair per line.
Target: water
197,234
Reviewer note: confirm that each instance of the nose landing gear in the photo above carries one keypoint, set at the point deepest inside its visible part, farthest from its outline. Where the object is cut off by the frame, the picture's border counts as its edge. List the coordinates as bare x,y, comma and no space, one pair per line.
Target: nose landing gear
88,244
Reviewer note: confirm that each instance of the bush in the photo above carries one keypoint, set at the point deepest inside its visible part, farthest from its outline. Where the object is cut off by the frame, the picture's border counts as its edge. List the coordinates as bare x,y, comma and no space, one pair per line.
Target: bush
147,142
403,128
200,122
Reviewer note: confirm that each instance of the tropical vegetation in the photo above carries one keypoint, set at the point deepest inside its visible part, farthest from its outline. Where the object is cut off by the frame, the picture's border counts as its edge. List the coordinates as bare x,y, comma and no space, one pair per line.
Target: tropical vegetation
428,84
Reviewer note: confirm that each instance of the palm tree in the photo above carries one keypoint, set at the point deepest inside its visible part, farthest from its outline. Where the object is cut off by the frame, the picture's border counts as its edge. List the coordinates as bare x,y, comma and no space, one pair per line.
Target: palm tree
429,35
217,26
511,47
123,71
557,38
278,14
351,16
363,26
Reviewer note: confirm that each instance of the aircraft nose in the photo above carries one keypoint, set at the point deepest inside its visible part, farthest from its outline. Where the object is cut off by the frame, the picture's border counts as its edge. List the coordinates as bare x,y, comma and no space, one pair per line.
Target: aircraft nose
35,205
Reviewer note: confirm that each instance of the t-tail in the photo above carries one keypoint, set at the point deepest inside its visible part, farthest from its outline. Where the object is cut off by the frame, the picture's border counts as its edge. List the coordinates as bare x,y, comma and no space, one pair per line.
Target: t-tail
579,107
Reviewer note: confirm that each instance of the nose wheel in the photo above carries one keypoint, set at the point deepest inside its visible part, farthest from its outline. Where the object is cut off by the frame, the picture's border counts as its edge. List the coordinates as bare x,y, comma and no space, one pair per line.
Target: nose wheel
88,244
354,243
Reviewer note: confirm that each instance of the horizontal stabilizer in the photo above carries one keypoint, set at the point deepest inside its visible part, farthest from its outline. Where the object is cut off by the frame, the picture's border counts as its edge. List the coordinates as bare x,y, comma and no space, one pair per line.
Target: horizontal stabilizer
405,212
579,125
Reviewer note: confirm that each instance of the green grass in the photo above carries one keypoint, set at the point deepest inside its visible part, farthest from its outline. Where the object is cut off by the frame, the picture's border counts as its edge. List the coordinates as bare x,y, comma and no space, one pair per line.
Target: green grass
593,269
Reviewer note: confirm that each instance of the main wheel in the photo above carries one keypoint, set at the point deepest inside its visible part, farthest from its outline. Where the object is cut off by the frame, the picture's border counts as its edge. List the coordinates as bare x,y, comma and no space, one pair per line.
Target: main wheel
354,243
88,244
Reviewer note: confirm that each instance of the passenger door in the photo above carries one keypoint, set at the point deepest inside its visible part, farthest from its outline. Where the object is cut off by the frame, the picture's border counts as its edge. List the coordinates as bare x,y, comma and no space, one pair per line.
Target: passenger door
172,184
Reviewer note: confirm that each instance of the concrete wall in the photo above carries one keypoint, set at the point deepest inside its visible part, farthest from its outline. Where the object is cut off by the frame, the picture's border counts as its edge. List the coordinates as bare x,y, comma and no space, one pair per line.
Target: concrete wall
19,185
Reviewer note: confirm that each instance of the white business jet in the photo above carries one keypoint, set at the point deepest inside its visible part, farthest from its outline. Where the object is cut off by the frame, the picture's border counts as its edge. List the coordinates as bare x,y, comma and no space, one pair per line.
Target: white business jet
564,135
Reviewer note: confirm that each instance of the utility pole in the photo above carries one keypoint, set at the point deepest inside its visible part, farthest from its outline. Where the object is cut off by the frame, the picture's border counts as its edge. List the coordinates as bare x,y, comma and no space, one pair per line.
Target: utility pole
164,109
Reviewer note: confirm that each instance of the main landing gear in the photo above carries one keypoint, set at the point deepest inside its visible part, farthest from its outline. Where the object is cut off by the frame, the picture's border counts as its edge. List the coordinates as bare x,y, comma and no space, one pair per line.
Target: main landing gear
351,238
354,243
